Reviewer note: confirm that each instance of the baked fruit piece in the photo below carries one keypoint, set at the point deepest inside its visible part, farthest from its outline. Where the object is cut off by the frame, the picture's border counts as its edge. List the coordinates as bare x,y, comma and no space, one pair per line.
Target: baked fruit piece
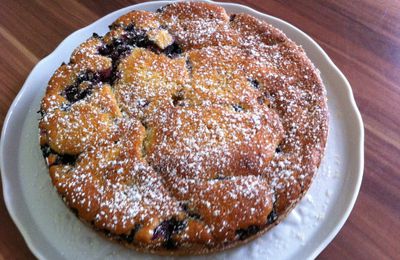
184,131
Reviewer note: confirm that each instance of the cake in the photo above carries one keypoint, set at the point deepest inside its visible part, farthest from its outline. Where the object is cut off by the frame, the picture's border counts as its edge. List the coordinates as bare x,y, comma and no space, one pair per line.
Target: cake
184,131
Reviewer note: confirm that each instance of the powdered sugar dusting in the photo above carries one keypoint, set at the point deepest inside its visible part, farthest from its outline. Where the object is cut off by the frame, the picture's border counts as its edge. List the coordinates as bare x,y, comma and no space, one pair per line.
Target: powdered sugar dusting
207,140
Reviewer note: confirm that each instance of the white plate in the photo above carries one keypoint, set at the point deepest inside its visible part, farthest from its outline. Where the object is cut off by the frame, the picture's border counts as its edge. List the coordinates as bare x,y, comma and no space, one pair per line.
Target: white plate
53,232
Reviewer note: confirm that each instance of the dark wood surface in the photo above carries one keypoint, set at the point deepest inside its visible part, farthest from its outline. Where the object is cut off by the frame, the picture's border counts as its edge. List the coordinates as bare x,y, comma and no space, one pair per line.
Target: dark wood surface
361,37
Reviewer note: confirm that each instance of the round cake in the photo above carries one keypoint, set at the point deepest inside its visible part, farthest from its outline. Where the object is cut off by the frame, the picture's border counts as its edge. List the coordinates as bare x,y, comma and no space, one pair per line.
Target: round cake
185,130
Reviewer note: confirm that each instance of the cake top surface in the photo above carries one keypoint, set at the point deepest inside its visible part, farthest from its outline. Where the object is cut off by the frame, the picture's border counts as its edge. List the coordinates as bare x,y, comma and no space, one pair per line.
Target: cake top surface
184,130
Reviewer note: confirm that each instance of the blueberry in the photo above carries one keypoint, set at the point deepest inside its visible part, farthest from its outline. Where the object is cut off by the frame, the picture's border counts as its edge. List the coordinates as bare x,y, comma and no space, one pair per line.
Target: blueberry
261,100
73,93
254,83
46,151
178,98
106,74
90,76
131,237
66,159
75,211
272,217
143,103
278,149
237,108
248,232
142,40
106,232
115,75
220,177
82,77
130,27
167,228
105,50
117,42
161,9
164,230
173,50
40,111
170,244
190,213
189,65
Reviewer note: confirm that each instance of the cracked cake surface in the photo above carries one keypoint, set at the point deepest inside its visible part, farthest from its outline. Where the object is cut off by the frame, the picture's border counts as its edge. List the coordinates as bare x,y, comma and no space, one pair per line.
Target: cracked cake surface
184,131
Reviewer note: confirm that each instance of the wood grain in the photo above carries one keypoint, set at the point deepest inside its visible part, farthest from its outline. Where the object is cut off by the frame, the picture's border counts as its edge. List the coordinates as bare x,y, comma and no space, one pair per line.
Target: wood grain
361,37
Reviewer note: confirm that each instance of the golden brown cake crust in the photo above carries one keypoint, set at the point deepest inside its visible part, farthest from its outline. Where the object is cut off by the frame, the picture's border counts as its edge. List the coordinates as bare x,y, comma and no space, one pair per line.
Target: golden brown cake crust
186,130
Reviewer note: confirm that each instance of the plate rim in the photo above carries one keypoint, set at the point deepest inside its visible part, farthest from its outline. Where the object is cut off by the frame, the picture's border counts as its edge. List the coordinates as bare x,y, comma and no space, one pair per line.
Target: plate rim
346,86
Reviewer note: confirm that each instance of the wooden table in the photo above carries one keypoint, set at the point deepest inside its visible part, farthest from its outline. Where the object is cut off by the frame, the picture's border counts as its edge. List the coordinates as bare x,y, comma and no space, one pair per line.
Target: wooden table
362,38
